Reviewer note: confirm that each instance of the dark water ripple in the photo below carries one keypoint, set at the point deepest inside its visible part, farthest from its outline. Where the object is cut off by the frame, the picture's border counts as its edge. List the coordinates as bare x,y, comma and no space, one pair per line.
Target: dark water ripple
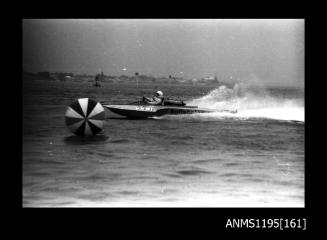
232,164
120,141
207,161
193,172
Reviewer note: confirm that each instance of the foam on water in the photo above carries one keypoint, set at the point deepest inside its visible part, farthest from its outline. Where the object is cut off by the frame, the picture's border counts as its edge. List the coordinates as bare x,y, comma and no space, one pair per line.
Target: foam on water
250,103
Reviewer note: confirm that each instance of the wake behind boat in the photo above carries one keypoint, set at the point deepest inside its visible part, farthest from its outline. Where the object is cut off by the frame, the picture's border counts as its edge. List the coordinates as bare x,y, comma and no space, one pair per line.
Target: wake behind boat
142,109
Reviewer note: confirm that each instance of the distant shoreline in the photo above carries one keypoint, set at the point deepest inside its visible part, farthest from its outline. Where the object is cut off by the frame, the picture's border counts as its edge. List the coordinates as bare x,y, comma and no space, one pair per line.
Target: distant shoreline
35,77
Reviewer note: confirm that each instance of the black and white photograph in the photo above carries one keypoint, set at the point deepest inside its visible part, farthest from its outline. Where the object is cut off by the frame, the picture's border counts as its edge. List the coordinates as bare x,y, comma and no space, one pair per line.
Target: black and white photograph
143,113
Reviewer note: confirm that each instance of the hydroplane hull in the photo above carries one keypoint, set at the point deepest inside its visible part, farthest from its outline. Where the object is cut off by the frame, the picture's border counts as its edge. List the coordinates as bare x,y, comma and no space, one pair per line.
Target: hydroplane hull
146,111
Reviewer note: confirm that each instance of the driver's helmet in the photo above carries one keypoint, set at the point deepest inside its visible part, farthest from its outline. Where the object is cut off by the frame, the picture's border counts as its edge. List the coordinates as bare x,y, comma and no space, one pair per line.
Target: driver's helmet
159,94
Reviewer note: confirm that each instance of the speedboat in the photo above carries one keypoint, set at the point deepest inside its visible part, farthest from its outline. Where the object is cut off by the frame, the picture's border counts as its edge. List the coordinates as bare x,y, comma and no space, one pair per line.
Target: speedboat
142,109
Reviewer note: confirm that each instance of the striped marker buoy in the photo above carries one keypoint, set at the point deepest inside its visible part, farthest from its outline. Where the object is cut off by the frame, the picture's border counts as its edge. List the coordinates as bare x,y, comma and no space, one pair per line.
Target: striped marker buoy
85,117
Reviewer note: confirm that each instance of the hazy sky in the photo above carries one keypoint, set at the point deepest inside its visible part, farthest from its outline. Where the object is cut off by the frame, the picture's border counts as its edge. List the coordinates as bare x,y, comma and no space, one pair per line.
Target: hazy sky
269,50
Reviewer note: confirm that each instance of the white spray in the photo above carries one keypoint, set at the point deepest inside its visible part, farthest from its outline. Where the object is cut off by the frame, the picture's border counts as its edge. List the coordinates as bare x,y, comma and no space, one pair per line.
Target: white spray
251,101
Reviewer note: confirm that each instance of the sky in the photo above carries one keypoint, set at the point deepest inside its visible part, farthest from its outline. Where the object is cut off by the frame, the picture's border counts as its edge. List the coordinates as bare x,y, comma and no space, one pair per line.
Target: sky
269,50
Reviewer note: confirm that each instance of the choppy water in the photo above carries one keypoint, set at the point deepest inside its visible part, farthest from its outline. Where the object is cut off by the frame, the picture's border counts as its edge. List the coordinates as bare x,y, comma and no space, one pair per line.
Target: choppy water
254,158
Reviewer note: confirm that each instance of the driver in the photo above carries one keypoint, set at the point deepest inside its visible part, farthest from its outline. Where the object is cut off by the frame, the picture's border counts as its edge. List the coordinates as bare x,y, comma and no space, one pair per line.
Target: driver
157,99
